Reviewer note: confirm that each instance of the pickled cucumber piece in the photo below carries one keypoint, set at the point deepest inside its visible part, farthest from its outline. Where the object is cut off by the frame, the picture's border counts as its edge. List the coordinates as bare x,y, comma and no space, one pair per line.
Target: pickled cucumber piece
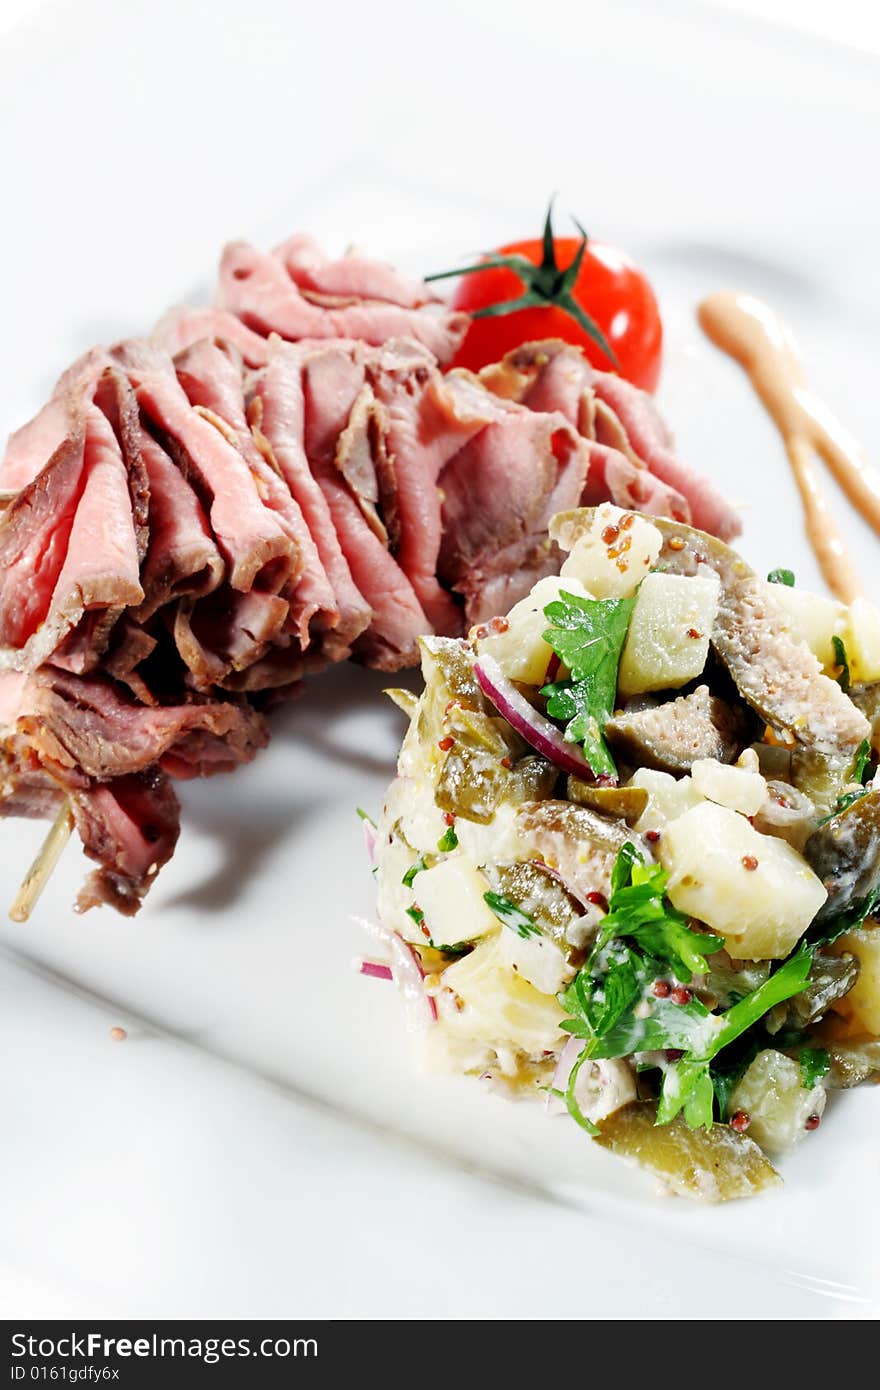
853,1060
845,853
627,803
715,1165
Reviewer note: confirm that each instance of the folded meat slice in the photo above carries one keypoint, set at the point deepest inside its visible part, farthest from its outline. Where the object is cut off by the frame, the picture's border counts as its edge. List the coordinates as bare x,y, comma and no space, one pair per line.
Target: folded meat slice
31,447
254,544
429,420
499,494
34,534
258,289
100,565
650,439
89,725
278,415
227,632
182,558
633,463
181,327
130,827
212,379
351,277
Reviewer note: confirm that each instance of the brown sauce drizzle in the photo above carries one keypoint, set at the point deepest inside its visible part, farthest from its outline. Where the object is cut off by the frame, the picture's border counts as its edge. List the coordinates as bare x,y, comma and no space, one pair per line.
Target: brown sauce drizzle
750,332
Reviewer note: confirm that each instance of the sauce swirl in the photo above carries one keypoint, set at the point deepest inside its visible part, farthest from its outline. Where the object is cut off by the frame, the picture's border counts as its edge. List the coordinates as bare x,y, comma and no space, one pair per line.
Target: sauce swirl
747,330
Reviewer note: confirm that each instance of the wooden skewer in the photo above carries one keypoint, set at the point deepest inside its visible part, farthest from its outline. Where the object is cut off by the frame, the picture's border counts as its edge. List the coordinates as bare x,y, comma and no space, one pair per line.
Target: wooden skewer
40,872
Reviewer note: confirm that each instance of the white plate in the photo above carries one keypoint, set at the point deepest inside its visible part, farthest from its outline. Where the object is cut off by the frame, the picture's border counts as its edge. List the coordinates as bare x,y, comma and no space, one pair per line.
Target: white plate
260,1144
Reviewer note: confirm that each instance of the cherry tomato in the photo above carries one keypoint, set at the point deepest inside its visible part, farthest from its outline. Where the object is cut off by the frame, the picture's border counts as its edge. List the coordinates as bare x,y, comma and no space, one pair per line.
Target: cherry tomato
608,288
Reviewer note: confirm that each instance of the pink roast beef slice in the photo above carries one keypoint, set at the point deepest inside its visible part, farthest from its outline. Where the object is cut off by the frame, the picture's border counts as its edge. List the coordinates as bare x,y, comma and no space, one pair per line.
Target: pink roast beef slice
351,277
212,379
180,328
278,411
90,725
34,532
429,419
258,289
649,438
182,557
97,547
32,446
227,632
130,827
499,494
347,433
612,475
620,417
250,537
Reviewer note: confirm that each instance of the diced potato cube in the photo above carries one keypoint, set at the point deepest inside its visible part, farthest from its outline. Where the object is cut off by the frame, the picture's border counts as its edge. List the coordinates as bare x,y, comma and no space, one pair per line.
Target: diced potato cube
521,651
451,897
757,891
862,639
733,787
668,639
668,797
537,959
483,999
612,552
862,1003
812,619
771,1094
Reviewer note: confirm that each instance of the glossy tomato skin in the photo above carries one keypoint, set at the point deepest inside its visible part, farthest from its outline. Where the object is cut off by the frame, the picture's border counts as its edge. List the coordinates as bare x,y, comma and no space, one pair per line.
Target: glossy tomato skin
611,290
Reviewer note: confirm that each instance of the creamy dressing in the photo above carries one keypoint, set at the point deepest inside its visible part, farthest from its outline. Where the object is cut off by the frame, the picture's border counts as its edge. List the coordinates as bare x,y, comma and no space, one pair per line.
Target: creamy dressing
750,332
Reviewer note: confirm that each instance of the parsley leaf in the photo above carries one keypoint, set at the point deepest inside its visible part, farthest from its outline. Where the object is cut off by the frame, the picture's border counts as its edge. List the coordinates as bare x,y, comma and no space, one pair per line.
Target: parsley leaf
417,915
510,915
587,635
780,576
862,762
814,1063
413,869
448,841
687,1087
638,909
365,816
842,661
788,980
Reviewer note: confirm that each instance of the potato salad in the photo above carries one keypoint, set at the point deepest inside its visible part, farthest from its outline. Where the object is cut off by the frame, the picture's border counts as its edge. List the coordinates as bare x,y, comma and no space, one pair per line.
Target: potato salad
630,862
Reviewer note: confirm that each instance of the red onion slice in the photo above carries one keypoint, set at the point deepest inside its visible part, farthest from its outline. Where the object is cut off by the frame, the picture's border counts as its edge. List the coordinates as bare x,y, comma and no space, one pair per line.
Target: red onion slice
407,974
534,727
567,1058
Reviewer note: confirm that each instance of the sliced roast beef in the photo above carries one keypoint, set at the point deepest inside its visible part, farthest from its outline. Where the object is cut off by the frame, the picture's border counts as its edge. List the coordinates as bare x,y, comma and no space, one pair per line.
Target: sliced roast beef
32,446
351,278
34,533
278,415
226,632
250,537
499,494
89,724
257,288
651,441
636,466
212,379
180,328
182,558
131,828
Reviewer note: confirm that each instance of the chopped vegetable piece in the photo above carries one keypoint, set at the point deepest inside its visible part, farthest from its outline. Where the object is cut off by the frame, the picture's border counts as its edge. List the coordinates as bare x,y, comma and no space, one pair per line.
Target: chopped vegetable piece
587,635
781,576
717,1165
815,1064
